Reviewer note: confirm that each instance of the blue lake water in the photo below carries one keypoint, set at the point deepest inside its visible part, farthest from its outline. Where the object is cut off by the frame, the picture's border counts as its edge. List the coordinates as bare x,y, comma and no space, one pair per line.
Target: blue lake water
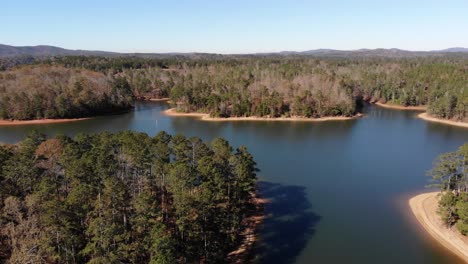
338,189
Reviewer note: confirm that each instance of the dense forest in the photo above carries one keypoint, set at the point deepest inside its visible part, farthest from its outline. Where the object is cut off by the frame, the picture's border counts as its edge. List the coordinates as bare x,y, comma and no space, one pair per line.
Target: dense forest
42,91
292,85
450,174
123,198
285,86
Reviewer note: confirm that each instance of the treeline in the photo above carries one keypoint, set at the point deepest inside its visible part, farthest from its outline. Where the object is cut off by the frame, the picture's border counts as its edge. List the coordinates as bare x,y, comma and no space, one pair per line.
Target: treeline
7,63
294,85
450,174
274,86
123,198
41,91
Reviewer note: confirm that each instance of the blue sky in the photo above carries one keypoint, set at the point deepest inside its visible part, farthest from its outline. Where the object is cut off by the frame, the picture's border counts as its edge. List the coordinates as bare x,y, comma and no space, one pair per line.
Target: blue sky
234,26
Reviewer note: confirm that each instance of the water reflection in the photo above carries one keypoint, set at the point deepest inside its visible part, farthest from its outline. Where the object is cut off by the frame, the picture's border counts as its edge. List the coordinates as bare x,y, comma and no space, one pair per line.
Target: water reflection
296,131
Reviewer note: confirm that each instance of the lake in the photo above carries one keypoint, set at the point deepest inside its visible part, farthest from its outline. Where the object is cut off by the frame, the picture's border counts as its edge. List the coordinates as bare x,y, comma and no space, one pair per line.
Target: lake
338,189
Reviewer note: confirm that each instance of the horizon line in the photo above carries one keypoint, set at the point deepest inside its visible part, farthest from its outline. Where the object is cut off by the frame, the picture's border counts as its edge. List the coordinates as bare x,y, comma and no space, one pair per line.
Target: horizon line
229,53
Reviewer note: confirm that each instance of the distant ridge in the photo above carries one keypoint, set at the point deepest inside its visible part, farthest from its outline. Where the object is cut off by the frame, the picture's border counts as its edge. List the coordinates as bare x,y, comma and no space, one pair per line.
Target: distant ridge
44,50
456,49
48,51
375,52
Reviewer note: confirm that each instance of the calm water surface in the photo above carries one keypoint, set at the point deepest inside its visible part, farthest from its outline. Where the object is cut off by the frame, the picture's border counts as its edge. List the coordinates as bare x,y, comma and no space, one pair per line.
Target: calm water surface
339,189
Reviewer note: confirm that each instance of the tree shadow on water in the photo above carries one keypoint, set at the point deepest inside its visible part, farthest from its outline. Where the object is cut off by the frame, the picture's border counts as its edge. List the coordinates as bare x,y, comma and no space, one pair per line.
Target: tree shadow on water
288,226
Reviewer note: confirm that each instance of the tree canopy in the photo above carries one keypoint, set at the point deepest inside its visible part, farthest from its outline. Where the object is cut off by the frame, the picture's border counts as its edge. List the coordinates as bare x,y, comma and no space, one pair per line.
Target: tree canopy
123,198
41,91
450,174
306,86
242,85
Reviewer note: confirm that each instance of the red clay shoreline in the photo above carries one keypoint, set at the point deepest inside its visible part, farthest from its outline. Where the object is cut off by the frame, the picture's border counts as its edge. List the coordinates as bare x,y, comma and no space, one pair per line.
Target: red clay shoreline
47,121
40,121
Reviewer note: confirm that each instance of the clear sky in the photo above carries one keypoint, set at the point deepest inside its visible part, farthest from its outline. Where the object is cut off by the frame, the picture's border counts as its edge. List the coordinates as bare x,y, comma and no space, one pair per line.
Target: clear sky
237,26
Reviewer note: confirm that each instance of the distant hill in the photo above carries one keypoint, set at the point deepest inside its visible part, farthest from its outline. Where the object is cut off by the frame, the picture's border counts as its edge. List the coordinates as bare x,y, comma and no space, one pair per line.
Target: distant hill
456,49
7,51
396,53
47,51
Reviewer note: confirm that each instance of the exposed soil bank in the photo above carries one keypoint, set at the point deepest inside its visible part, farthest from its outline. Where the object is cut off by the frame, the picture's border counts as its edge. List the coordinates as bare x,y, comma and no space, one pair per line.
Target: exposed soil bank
401,107
39,121
206,117
46,121
427,117
424,207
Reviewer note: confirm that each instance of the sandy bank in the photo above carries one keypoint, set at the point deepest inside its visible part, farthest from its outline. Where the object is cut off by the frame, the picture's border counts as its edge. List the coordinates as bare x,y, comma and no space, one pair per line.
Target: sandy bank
39,121
427,117
424,207
159,99
401,107
206,117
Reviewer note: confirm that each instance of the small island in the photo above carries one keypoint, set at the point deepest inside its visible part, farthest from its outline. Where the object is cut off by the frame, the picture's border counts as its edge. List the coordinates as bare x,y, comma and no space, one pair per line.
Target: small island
444,214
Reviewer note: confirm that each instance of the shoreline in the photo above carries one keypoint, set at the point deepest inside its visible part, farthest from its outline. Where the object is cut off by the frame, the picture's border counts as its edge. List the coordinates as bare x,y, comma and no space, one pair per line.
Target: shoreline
206,117
243,253
154,99
424,207
401,107
40,121
47,121
159,99
426,117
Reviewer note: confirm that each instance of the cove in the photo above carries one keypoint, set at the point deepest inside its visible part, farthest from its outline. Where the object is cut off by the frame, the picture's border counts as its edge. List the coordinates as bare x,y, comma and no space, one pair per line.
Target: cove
338,189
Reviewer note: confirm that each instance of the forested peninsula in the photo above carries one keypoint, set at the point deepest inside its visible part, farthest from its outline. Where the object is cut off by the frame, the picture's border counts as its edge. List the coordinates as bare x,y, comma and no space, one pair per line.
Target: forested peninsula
444,214
271,86
57,92
124,198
